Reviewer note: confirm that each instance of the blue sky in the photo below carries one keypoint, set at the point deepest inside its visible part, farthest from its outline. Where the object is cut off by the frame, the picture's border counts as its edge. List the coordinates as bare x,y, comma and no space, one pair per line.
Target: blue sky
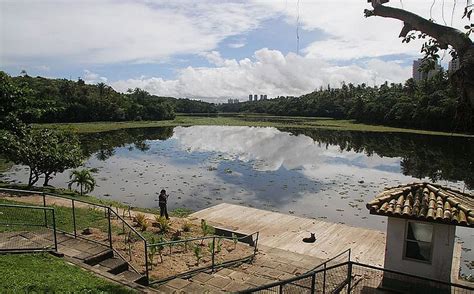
209,50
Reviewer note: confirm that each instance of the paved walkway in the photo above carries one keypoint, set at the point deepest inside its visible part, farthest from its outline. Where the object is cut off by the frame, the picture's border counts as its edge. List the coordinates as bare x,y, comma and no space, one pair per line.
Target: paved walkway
270,265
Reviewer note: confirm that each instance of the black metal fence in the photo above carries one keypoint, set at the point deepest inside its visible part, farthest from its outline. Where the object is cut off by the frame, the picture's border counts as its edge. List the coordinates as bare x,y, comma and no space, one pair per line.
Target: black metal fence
353,277
27,228
207,252
88,221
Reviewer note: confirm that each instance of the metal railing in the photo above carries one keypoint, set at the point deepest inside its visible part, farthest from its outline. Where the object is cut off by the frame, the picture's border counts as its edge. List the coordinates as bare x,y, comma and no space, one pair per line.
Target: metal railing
353,277
95,223
209,249
130,245
27,228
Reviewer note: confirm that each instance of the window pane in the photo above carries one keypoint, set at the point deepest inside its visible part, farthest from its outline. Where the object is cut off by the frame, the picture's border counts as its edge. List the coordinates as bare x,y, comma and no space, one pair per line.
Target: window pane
418,250
419,232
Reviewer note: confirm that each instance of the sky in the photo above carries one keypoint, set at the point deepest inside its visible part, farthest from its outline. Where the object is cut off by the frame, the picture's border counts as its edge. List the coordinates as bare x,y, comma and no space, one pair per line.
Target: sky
212,50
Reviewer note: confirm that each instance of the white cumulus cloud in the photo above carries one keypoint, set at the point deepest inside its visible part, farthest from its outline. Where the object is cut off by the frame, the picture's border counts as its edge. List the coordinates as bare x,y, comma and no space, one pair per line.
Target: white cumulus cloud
268,72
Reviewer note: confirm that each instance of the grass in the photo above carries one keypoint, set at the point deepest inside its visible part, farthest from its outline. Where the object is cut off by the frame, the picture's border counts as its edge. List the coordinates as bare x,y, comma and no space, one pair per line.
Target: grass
85,217
44,273
243,120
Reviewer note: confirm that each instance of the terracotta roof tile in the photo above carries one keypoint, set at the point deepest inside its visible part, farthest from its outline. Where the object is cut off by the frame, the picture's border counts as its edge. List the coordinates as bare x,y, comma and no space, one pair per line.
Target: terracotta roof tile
426,202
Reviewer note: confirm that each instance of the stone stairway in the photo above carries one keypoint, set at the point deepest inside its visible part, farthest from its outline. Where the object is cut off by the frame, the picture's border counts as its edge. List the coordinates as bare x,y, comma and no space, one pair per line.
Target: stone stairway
270,265
99,259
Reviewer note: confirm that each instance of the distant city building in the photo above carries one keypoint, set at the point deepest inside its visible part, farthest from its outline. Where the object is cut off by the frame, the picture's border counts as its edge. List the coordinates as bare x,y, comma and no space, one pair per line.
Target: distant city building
233,101
255,97
419,75
265,97
250,97
261,96
453,66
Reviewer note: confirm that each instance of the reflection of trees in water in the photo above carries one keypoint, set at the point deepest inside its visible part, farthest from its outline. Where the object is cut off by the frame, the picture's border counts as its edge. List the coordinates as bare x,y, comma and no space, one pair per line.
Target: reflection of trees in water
104,143
435,157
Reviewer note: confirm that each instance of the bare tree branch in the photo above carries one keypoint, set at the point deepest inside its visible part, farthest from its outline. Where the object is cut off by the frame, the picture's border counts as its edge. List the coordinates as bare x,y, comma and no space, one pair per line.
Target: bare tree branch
443,34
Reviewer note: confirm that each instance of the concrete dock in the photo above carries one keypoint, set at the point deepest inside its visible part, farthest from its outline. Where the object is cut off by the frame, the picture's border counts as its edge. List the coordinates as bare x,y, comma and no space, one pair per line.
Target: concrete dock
286,232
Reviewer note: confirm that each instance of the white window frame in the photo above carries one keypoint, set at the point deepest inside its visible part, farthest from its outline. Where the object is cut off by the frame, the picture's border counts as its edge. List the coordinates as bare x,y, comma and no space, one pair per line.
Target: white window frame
406,240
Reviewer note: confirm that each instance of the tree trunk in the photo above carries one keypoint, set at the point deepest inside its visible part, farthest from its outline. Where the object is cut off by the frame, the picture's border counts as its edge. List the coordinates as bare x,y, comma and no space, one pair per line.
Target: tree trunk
33,178
81,188
464,47
46,179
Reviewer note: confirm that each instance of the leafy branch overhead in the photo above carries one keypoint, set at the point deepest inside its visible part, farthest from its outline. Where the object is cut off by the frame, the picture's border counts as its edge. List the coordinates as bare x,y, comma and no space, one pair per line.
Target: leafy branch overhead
440,37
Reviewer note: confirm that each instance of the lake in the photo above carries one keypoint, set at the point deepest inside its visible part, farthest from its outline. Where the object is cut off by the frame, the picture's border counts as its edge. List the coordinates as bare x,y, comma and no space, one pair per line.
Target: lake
313,173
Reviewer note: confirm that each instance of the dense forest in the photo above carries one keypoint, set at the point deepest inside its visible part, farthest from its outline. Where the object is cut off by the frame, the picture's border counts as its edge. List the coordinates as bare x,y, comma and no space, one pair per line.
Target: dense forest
429,104
62,100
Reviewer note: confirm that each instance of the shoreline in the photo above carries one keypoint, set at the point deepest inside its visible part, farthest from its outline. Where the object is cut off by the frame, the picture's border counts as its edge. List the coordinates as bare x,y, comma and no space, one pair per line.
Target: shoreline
239,120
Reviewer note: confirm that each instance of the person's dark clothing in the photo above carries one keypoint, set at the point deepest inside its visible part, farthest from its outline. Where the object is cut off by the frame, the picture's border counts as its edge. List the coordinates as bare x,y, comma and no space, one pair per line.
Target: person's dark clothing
162,200
164,211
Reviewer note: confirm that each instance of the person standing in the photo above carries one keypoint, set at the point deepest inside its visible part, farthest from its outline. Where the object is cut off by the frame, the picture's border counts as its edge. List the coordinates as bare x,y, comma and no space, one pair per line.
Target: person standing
162,201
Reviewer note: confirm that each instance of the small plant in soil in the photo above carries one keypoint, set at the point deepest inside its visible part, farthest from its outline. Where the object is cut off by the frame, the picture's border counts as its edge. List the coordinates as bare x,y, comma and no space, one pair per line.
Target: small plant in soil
186,227
206,229
235,240
163,224
151,252
197,253
159,248
141,221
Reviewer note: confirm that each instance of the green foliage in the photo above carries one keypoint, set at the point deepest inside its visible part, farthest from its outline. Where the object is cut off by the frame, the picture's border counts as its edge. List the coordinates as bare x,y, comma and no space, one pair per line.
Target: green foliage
206,229
216,245
60,100
46,152
181,212
235,240
82,178
427,104
197,253
141,221
44,273
151,252
163,224
159,247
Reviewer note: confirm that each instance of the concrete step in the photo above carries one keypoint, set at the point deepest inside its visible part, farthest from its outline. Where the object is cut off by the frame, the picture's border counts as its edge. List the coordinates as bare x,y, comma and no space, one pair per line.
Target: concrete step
97,258
114,265
130,276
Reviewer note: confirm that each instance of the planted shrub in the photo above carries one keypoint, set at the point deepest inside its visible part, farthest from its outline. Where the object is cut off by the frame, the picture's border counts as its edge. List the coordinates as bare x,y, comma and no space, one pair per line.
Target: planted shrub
197,253
163,224
206,229
141,220
235,240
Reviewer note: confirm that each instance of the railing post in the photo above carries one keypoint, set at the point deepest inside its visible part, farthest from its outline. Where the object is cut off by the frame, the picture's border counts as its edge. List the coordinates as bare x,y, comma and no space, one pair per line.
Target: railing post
110,229
74,218
280,289
313,283
324,279
349,277
146,260
54,232
45,213
256,244
213,250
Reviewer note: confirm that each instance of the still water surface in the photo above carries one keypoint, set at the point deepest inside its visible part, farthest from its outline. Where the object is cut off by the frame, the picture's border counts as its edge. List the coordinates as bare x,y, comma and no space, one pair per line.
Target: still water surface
312,173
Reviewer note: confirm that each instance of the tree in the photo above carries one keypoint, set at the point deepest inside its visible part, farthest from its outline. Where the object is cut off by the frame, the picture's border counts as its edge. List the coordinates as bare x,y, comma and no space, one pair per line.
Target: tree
82,178
442,37
60,151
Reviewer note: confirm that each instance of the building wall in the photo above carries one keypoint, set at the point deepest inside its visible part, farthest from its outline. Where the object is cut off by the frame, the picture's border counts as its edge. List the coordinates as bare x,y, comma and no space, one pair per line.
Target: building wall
442,251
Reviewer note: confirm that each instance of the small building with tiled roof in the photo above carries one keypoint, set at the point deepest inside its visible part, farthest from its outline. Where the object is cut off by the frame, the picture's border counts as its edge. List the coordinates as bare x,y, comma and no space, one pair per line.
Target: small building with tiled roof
421,227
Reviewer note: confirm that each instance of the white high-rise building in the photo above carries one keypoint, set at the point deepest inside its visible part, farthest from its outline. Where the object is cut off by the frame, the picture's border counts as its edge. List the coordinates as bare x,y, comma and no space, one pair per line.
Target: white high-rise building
420,75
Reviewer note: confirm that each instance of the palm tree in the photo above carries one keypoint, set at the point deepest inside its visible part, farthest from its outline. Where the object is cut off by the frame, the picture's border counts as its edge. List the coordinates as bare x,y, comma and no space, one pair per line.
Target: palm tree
82,178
